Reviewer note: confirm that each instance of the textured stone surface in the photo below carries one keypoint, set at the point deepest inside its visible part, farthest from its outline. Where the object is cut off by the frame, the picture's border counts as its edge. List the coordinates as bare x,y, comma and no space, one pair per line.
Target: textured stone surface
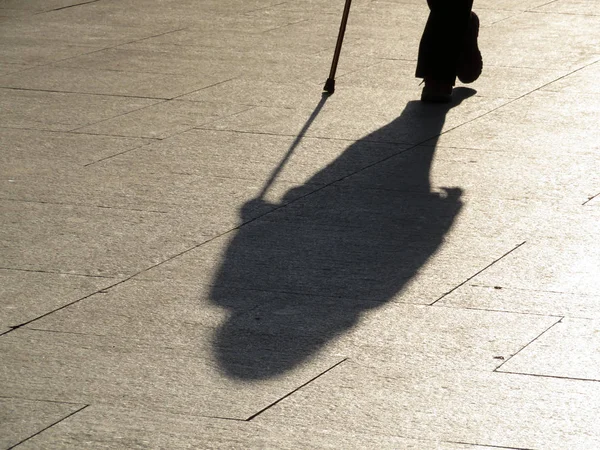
505,410
25,295
567,350
181,377
22,418
199,250
60,111
104,427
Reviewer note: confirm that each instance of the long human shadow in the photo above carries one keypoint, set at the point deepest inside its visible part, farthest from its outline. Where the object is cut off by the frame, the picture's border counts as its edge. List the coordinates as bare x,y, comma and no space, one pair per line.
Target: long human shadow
298,277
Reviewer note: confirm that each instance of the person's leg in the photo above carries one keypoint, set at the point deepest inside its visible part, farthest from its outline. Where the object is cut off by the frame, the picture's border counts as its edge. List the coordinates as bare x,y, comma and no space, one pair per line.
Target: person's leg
442,43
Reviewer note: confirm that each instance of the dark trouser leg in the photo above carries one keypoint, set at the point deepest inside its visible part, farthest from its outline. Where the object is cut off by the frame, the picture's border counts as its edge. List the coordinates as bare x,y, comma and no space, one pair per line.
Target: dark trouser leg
442,39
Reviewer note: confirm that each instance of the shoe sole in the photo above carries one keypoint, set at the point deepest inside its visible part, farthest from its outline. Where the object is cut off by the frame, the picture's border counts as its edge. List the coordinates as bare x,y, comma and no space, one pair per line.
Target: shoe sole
471,62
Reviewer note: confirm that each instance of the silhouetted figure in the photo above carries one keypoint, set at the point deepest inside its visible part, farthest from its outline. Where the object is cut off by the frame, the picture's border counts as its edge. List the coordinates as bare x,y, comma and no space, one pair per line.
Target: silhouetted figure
302,275
448,49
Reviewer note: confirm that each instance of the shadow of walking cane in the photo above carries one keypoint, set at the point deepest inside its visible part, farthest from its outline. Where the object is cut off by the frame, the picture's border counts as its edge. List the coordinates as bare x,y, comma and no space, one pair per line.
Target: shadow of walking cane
304,274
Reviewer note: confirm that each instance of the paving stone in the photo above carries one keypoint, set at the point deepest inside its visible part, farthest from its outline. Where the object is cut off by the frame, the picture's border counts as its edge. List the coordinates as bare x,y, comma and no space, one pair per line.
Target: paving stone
107,82
40,5
223,154
523,300
275,66
391,117
22,418
27,152
105,427
195,204
301,38
553,264
584,80
252,92
486,174
483,408
60,111
505,82
164,119
27,295
89,240
131,372
7,68
584,7
374,245
247,327
35,51
545,41
514,5
541,124
567,350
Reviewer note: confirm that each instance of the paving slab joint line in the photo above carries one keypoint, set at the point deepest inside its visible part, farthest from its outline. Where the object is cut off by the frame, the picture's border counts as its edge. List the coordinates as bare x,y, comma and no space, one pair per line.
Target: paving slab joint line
480,271
202,88
41,400
490,445
590,199
555,377
497,369
70,6
54,91
99,291
48,427
295,390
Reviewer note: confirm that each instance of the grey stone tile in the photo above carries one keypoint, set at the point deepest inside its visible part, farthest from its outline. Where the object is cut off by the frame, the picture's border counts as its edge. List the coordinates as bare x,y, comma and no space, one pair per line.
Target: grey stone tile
90,240
180,377
483,408
164,119
40,5
247,327
558,264
537,44
102,24
201,203
390,338
505,82
22,418
27,295
105,427
578,82
224,154
36,51
373,245
272,65
256,92
294,38
487,174
59,111
514,5
584,7
28,152
541,124
567,350
390,117
9,15
7,68
523,300
108,82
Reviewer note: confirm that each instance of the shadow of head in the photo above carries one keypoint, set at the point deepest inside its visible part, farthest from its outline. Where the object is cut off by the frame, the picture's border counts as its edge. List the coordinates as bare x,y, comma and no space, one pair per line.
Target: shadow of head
303,275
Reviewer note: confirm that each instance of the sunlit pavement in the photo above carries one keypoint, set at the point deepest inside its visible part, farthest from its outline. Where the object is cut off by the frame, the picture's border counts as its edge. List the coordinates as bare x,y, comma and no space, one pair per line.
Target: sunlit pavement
199,250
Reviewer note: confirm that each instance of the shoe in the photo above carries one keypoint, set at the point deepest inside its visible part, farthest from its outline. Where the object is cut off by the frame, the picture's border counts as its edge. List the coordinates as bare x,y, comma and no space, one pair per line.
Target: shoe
470,62
436,91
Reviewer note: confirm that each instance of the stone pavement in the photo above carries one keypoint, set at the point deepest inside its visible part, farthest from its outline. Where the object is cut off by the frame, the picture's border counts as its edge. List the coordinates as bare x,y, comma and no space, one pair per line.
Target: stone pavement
199,250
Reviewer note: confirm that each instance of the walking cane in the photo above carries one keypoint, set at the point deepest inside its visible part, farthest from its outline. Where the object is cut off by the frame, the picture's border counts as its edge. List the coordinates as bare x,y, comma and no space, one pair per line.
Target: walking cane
330,83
